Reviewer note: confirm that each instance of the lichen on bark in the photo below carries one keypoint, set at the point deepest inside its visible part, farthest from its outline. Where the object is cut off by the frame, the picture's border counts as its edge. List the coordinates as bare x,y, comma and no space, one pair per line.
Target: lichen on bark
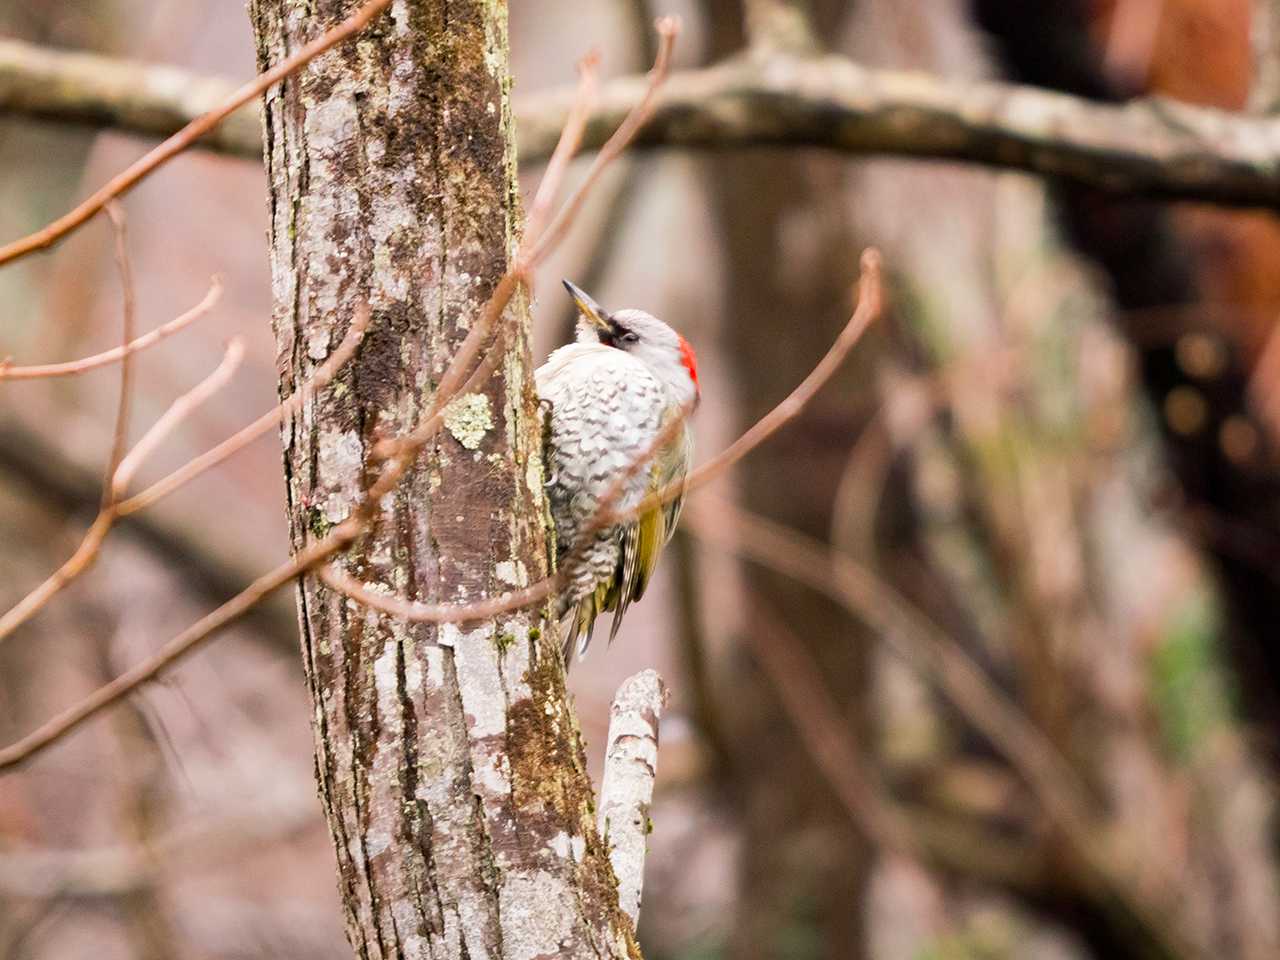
449,763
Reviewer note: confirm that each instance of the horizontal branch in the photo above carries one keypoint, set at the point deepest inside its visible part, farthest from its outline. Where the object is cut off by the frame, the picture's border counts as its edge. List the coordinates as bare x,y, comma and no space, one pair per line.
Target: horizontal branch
129,95
1153,147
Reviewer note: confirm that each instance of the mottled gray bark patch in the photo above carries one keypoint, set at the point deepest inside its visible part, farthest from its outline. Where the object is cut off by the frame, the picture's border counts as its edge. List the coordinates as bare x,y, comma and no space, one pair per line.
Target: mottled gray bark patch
450,766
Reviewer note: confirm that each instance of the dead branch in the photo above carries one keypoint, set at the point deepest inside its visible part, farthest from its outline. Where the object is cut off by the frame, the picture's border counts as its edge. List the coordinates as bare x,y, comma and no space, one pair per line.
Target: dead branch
107,357
49,472
398,456
129,302
238,441
89,547
189,134
626,789
199,632
635,117
180,409
570,137
867,311
1152,146
117,479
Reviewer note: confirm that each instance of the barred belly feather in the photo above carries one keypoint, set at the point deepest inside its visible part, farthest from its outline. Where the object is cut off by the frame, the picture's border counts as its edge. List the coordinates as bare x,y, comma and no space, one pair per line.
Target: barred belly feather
606,407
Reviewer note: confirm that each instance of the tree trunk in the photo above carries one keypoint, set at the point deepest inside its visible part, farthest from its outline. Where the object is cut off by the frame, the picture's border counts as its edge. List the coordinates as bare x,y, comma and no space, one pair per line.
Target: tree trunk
450,766
804,869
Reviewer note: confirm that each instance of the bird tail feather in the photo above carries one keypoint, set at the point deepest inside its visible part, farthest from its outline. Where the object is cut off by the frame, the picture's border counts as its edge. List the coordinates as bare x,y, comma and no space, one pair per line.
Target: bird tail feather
579,624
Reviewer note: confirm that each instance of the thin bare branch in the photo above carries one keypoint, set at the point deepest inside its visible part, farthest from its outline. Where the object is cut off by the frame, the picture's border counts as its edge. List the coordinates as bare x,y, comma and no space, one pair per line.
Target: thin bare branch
269,420
932,652
74,367
120,436
79,561
869,306
87,552
198,633
184,138
566,147
177,412
668,29
419,612
91,544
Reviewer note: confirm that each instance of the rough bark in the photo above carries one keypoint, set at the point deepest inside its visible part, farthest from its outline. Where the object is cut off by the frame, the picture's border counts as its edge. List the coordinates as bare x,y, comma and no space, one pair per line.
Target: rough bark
626,790
450,767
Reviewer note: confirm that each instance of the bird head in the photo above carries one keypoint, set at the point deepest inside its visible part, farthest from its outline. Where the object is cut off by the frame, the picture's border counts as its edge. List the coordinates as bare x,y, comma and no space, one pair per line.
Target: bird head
667,354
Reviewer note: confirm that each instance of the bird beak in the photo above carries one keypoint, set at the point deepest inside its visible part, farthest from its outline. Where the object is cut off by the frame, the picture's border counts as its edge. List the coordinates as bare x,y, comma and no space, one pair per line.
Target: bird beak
590,311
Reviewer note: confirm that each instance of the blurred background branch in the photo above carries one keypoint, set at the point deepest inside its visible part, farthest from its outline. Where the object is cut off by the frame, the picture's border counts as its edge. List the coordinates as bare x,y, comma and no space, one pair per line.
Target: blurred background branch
1154,147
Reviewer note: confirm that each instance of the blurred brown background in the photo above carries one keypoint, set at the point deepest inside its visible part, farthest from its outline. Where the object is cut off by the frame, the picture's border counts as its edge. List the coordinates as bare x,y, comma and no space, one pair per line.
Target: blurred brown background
1056,446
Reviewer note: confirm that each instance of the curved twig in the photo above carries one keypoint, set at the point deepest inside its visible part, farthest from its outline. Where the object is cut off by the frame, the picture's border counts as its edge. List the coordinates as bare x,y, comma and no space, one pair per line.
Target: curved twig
870,304
124,181
399,454
110,511
242,438
71,368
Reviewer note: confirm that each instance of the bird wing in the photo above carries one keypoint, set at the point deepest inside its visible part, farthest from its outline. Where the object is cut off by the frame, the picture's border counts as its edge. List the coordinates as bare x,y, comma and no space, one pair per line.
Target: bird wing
605,405
642,542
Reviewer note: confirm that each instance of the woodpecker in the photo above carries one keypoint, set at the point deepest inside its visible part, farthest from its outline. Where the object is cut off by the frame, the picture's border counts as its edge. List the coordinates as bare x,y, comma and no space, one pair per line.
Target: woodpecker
610,394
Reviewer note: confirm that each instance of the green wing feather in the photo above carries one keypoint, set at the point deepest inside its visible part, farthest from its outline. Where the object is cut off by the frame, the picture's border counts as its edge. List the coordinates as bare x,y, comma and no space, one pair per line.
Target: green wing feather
641,544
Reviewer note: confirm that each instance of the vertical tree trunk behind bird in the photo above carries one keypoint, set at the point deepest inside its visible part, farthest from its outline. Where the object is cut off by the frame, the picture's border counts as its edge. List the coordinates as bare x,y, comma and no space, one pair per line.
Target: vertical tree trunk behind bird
450,768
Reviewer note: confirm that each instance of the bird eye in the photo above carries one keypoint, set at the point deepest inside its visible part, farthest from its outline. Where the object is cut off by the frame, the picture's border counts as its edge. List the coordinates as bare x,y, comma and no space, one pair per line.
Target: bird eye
629,336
